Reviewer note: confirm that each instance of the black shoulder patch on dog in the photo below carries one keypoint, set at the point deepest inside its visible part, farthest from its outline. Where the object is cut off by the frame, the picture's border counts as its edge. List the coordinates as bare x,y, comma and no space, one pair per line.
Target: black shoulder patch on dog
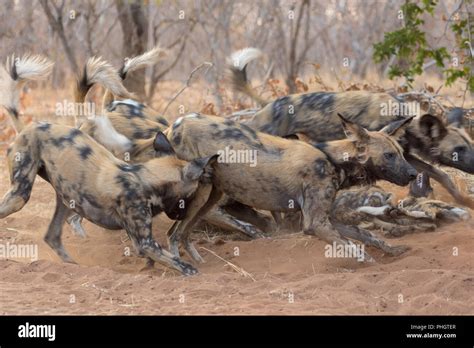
233,133
318,101
85,151
280,108
320,168
59,142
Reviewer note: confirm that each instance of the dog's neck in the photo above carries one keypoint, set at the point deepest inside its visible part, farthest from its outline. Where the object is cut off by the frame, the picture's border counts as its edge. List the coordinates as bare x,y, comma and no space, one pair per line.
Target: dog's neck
343,154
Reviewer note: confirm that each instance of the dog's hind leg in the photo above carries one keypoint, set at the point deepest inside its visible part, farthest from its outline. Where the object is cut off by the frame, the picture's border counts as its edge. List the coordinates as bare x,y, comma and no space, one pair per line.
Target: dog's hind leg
22,176
245,213
219,217
53,235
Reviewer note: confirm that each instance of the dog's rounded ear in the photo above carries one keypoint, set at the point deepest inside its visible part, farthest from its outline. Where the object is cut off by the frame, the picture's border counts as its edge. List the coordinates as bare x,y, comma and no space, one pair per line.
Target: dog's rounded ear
455,117
397,129
432,127
162,145
353,131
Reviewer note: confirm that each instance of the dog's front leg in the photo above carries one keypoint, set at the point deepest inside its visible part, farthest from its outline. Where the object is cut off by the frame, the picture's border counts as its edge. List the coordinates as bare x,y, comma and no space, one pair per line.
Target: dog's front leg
200,205
138,224
315,208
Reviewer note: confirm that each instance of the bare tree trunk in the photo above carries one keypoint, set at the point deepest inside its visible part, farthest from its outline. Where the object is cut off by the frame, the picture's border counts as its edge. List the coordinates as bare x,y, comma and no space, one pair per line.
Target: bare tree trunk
293,64
134,26
57,24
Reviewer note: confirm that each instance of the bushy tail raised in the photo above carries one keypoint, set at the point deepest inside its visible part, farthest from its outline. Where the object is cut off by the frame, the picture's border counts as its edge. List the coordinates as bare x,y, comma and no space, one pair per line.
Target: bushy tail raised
16,72
99,71
148,58
237,72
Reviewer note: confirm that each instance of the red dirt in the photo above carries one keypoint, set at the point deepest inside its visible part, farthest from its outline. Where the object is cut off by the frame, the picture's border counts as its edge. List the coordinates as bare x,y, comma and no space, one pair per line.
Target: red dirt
428,279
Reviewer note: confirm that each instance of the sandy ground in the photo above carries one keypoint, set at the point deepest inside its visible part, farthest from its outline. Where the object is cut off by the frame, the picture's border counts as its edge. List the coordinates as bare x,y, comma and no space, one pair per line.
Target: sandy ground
287,274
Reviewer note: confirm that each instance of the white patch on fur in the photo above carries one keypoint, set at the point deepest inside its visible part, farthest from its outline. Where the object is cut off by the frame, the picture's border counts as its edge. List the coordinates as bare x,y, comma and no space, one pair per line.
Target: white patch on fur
461,213
375,211
241,58
109,137
417,214
192,115
130,102
178,121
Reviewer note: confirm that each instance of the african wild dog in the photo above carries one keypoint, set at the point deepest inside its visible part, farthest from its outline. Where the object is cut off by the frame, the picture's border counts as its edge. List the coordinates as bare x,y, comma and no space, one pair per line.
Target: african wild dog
374,208
314,115
291,175
91,182
136,122
103,189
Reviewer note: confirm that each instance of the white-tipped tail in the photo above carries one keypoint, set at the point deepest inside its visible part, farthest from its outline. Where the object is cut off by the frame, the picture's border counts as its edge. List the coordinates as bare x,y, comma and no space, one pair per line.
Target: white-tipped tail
99,71
241,58
14,75
148,58
29,67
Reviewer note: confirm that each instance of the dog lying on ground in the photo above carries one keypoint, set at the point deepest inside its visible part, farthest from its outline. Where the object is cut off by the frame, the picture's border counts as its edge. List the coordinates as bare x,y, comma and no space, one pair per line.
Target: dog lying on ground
373,208
291,175
314,115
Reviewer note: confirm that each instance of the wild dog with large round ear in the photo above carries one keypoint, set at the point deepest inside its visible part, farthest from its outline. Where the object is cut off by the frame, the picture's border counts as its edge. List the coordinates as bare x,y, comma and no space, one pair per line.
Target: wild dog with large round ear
314,115
292,175
109,192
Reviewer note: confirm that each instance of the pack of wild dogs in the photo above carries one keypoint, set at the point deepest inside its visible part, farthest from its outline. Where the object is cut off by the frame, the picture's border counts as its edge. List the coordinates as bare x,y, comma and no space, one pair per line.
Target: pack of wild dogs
315,160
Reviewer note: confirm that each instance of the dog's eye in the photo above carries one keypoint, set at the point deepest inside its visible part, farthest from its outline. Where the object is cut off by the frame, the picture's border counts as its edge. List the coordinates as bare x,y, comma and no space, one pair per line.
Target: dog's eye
389,155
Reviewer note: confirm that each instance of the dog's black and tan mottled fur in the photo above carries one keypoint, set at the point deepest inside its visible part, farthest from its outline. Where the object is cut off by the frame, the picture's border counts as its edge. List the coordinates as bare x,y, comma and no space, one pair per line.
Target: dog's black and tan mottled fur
314,115
291,175
138,123
111,193
91,182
